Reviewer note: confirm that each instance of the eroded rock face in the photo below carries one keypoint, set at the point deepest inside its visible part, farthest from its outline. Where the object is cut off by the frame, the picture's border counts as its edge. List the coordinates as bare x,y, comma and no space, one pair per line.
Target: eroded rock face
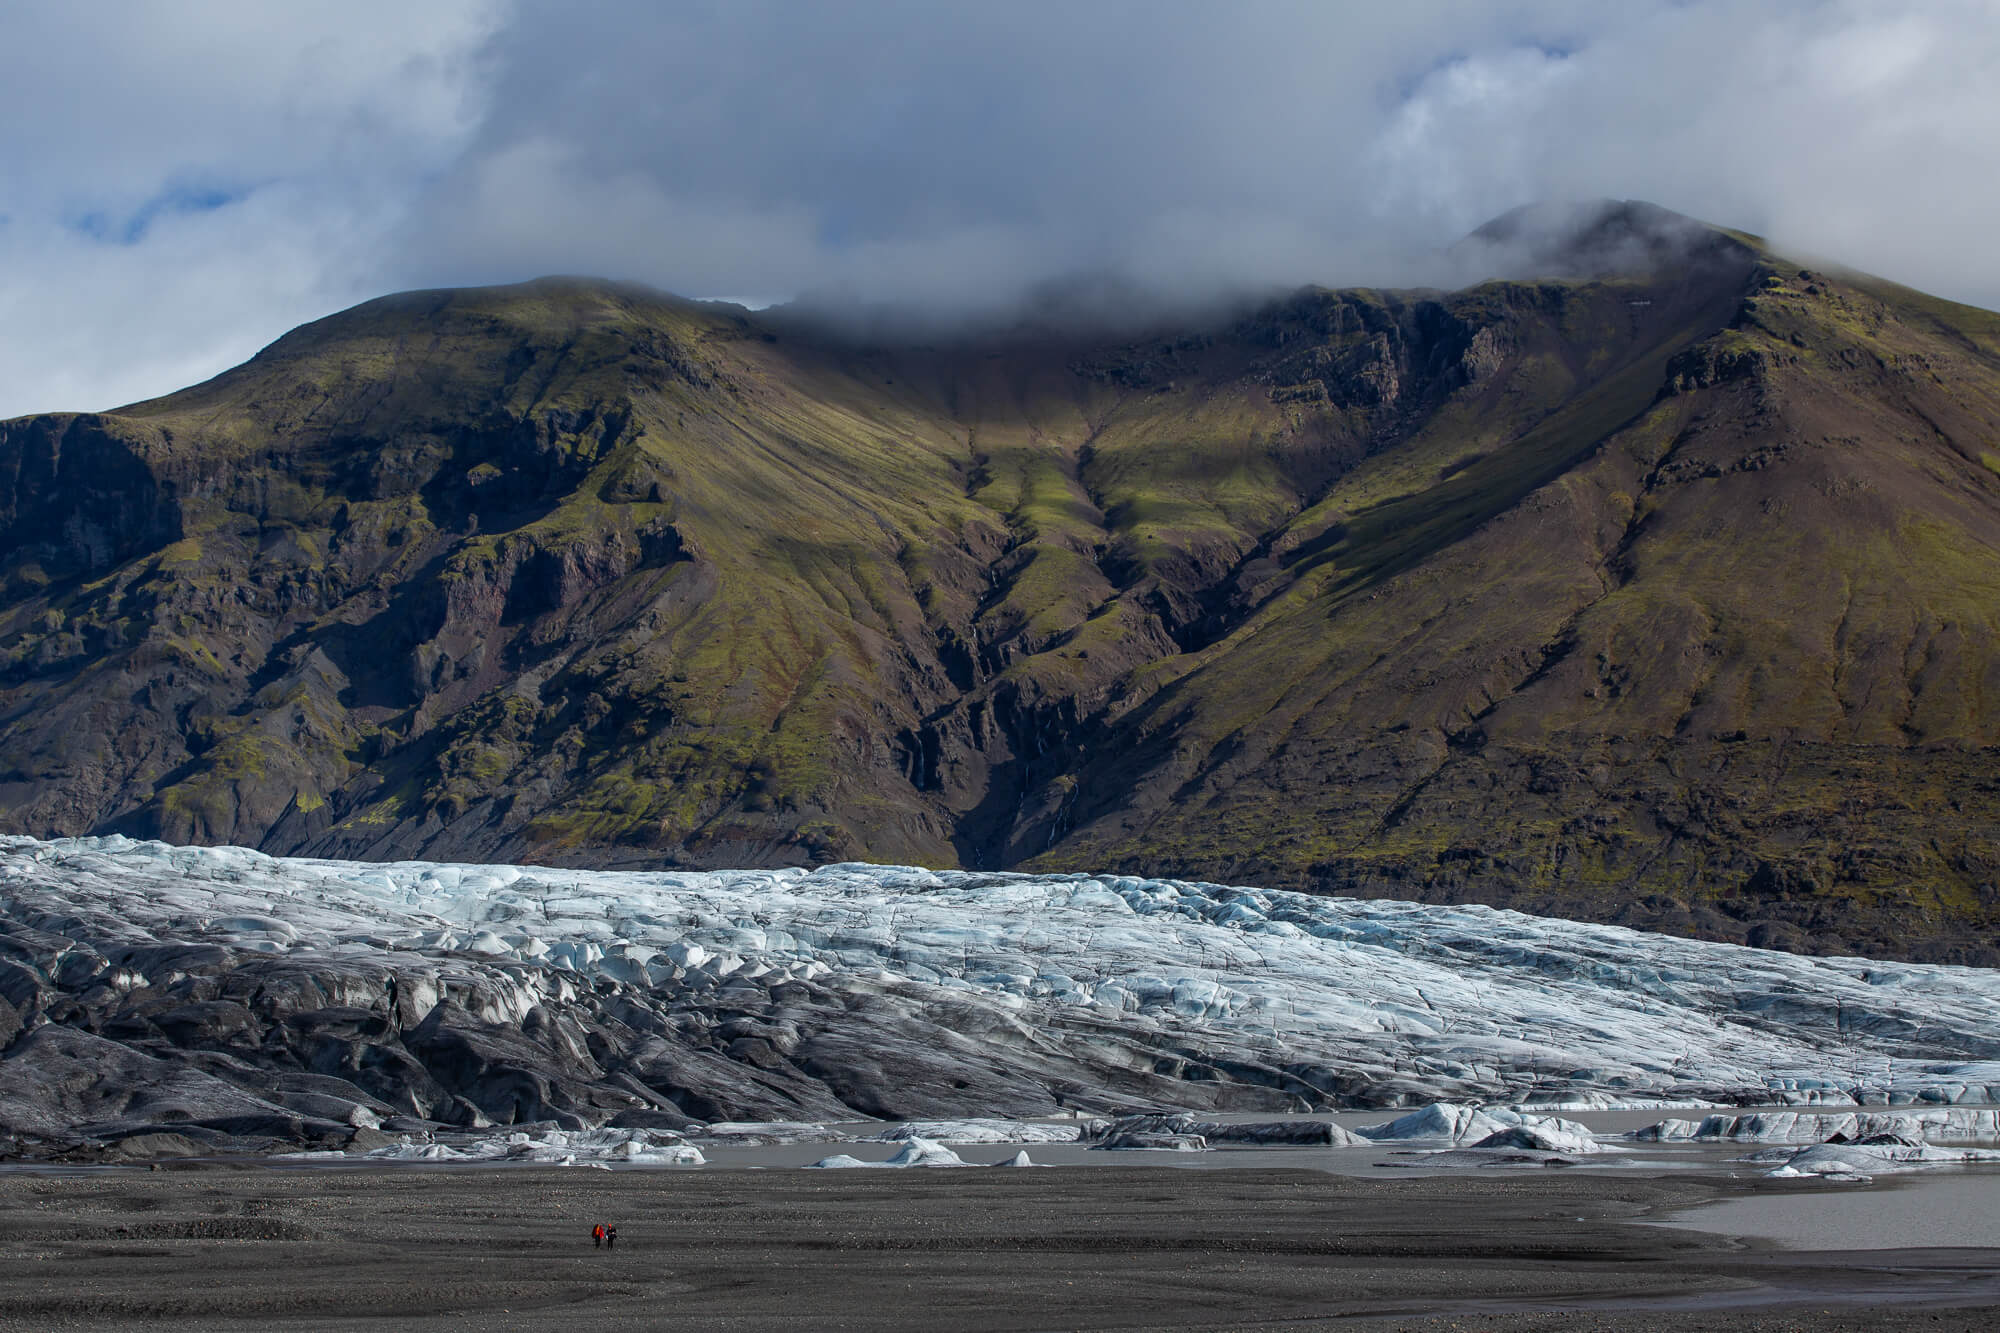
241,1000
77,496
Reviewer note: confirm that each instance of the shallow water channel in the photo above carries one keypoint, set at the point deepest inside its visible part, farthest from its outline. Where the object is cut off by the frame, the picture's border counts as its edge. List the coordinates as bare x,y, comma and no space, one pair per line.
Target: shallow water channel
1389,1158
1932,1207
1941,1208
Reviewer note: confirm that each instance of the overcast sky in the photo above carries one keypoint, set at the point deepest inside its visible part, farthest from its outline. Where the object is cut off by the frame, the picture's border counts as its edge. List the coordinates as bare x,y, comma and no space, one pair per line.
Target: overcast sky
179,184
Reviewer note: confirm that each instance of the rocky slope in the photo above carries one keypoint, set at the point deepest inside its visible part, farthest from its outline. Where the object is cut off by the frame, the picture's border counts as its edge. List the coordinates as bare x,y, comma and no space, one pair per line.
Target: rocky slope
1660,591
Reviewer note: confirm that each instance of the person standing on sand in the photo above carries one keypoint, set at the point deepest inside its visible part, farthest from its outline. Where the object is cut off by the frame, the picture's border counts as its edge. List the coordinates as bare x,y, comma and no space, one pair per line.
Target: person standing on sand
597,1237
611,1238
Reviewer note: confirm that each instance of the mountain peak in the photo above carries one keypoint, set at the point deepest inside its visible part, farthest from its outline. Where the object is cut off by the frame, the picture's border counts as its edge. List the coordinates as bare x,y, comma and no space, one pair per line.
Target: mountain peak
1595,238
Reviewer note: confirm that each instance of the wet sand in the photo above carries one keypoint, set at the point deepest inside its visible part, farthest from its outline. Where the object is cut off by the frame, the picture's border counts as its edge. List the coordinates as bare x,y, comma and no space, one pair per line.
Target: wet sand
201,1248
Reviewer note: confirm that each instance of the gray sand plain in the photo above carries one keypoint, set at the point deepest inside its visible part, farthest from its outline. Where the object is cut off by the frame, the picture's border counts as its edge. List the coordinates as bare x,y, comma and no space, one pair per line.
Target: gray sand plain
412,1249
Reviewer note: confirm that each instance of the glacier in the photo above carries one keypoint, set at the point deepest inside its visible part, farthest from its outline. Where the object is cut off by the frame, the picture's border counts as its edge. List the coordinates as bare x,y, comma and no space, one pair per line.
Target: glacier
1950,1124
224,993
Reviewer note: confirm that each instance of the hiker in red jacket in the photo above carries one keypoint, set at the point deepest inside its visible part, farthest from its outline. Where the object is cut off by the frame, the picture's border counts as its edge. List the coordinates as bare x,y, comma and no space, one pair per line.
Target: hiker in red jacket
597,1237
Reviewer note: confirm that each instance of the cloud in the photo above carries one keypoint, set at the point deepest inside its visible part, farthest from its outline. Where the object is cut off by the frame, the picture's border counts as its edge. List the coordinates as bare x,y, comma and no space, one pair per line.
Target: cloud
911,154
1859,132
181,184
181,187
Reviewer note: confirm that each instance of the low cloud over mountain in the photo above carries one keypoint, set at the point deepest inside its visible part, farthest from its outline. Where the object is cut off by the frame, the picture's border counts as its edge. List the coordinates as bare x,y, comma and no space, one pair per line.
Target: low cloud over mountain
227,174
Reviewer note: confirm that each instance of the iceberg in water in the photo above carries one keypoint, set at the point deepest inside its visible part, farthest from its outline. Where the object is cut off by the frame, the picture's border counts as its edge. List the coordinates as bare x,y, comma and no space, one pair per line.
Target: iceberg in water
1943,1124
1867,1159
1545,1138
918,1152
554,1147
1467,1125
1181,1132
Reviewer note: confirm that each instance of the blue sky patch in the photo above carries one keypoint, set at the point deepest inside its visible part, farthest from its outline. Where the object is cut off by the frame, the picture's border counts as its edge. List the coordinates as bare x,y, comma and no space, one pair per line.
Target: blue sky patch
176,200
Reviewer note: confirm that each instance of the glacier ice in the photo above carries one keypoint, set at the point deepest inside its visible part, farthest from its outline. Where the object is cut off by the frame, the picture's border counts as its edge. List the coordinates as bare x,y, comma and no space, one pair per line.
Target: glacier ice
963,1133
1864,1161
1550,1138
550,1148
1950,1123
1182,1132
1467,1125
761,1134
915,1153
233,993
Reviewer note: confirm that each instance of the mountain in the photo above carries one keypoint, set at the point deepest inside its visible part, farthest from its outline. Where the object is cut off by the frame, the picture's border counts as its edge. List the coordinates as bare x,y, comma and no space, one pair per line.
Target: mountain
1661,590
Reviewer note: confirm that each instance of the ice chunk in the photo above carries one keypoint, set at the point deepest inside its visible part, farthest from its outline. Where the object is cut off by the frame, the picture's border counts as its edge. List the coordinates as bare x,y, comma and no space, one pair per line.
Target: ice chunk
1481,1157
1942,1124
1543,1138
922,1152
553,1147
418,1152
1151,1140
1467,1126
838,1162
1163,1133
965,1132
916,1153
765,1132
1666,1131
1613,1101
1860,1161
1155,1131
1272,1133
640,1154
1439,1120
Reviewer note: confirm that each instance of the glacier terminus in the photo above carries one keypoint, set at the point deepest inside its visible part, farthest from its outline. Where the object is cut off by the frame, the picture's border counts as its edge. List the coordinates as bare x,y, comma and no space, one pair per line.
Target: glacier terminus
226,995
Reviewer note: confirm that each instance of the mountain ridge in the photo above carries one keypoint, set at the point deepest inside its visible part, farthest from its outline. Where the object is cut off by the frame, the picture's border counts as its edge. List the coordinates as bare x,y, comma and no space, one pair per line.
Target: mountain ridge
1661,596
